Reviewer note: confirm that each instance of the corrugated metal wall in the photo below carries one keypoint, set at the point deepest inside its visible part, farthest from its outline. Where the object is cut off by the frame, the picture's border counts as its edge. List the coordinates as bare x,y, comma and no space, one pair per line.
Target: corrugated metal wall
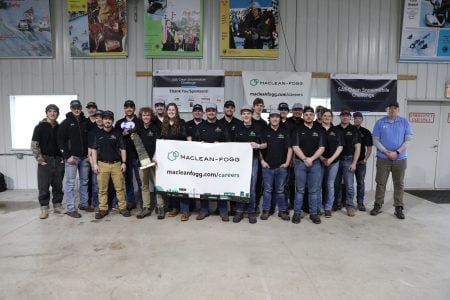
346,36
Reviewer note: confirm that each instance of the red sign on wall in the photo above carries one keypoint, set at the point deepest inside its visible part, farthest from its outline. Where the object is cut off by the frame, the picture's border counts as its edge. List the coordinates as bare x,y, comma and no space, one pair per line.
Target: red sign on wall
416,117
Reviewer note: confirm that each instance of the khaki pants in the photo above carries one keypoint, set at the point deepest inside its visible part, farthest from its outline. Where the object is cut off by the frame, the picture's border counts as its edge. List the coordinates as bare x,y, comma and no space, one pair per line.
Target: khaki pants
397,168
148,185
110,171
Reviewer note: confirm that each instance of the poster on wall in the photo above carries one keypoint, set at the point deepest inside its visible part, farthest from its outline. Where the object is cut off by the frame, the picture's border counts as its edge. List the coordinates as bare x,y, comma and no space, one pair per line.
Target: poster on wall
173,28
249,28
186,88
25,29
276,87
364,93
425,31
97,28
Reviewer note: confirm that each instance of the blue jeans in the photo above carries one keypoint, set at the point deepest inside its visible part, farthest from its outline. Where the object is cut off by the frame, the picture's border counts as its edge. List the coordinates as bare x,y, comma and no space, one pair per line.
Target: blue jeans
184,205
360,175
348,181
251,205
319,194
94,183
222,206
330,177
132,167
274,181
307,176
82,165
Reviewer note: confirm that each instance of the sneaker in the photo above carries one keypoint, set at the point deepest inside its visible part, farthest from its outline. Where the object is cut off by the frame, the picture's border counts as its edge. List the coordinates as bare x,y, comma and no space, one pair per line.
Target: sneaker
58,209
328,214
173,212
350,211
399,212
201,216
252,218
265,215
86,208
161,213
315,218
100,214
43,214
238,216
225,217
125,212
296,218
144,213
185,217
376,210
361,207
284,215
73,214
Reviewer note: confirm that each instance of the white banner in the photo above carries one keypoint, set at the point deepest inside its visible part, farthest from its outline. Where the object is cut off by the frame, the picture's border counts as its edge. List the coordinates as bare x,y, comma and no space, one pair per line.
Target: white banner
186,88
276,87
204,170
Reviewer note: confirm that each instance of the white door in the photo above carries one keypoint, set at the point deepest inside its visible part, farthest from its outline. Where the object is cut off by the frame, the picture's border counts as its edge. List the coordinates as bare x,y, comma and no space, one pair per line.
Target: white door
422,155
443,166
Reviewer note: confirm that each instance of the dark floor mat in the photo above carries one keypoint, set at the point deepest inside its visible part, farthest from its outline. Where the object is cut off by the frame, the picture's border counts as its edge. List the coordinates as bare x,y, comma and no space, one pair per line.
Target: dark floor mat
439,196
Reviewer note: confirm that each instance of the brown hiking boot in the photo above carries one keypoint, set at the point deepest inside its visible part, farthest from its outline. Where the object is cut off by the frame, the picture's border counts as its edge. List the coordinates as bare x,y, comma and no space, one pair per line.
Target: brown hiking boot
73,214
350,211
173,212
201,216
185,217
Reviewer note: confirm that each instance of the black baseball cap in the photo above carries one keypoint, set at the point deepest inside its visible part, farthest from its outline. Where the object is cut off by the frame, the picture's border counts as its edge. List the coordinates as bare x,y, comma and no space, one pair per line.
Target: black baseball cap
357,114
197,106
308,109
392,103
283,106
129,103
108,114
229,103
75,103
99,112
91,104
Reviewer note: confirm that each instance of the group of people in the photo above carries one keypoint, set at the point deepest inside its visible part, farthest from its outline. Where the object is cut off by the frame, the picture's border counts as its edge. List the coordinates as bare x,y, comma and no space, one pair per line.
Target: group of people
302,163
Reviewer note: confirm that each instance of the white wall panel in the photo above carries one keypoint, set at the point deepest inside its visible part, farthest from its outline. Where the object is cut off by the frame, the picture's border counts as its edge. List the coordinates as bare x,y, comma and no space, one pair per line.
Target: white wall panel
346,36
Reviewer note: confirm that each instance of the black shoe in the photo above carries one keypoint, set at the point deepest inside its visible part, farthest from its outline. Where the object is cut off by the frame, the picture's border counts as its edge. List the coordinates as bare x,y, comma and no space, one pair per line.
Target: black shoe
399,212
238,217
131,206
265,215
144,213
125,213
337,207
252,218
284,215
296,218
328,214
86,208
315,219
376,210
361,207
101,214
161,213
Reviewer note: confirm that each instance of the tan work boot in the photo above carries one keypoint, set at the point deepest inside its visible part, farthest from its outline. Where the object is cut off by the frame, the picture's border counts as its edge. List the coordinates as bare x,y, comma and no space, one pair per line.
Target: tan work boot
58,210
44,213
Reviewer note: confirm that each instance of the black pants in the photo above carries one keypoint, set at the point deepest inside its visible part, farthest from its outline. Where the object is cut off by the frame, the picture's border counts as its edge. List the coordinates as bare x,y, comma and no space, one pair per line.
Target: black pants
51,174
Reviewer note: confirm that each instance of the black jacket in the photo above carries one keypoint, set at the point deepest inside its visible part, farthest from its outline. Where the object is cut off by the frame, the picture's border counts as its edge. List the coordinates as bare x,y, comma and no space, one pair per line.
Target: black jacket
73,136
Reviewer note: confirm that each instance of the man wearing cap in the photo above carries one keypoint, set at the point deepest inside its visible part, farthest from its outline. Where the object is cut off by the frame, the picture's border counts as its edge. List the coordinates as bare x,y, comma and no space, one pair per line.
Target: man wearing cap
91,139
193,125
283,108
91,108
308,144
213,131
109,162
348,161
73,143
275,161
247,132
160,107
127,125
366,151
50,163
228,120
392,135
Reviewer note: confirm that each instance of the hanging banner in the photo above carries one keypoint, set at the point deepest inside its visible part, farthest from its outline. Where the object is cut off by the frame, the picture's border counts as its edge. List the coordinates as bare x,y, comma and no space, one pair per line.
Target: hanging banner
98,28
186,88
276,87
25,29
364,93
249,28
425,31
173,28
219,171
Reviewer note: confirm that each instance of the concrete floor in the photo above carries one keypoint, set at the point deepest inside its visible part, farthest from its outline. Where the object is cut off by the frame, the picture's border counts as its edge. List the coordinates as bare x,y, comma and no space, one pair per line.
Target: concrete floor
363,257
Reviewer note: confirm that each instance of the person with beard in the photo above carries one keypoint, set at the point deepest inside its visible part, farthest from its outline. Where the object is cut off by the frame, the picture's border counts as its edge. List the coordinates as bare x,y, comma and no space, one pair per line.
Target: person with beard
283,108
91,139
109,162
91,108
160,108
72,141
229,121
127,125
50,170
193,125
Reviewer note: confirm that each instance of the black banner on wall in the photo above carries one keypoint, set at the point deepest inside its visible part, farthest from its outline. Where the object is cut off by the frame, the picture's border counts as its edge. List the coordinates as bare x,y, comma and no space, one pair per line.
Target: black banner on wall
365,93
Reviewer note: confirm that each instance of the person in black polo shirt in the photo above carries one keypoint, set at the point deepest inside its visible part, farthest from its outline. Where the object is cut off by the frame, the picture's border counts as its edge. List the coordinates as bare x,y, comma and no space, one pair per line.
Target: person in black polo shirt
283,108
160,108
334,142
126,125
109,157
213,131
258,108
193,125
366,151
228,120
348,160
148,131
248,132
50,163
308,144
275,160
91,139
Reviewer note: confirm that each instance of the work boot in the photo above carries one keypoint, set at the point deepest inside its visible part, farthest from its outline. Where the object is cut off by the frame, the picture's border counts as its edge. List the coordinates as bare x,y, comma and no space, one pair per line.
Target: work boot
376,210
350,211
399,212
252,218
337,207
225,217
73,214
125,212
361,207
86,208
265,215
144,213
161,213
185,217
44,213
296,218
173,212
238,216
100,214
315,218
284,215
327,213
201,216
58,209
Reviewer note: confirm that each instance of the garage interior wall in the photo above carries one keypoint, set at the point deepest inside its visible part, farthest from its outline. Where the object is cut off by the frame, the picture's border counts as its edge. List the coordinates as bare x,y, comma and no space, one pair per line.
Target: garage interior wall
345,36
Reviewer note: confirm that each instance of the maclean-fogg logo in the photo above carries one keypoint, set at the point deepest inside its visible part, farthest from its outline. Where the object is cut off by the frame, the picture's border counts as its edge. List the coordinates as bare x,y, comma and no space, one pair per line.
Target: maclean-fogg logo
254,82
173,155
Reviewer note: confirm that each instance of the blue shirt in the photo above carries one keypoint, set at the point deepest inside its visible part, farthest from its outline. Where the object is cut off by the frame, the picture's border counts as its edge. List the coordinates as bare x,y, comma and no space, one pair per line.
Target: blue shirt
392,135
